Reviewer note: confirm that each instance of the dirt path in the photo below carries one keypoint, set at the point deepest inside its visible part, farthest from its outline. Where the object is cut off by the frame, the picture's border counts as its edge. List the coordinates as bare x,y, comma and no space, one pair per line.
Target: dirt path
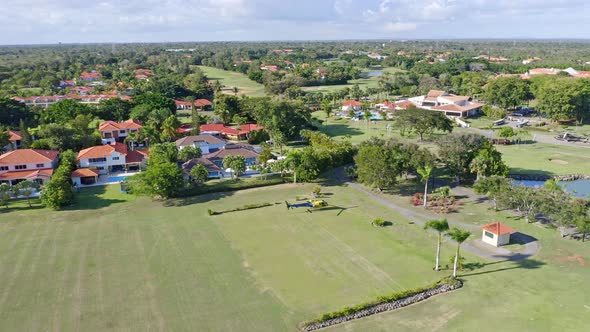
531,246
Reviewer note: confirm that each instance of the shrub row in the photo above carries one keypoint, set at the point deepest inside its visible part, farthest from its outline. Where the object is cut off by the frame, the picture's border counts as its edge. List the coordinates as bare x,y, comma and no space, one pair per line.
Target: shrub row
383,303
242,208
230,185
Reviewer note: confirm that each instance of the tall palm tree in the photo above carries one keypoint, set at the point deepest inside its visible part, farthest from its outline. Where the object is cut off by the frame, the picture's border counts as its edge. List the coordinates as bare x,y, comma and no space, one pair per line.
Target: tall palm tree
459,236
478,166
327,108
441,226
27,189
293,161
425,172
235,89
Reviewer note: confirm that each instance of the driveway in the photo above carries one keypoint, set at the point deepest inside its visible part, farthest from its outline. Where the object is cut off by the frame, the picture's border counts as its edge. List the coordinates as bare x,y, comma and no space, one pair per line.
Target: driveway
476,247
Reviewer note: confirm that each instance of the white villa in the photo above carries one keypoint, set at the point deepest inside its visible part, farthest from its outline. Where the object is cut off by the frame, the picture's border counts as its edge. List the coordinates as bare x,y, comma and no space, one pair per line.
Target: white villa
207,143
451,105
110,158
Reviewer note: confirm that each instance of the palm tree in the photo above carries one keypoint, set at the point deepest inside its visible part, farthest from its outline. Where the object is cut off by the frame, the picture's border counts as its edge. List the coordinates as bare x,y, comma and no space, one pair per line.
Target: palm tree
478,166
293,161
27,189
217,86
441,226
235,90
459,236
367,115
425,172
327,108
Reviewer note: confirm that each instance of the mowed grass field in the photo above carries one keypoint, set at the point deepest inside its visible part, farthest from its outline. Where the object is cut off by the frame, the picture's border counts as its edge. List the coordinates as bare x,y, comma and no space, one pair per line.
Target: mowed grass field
120,263
232,79
551,159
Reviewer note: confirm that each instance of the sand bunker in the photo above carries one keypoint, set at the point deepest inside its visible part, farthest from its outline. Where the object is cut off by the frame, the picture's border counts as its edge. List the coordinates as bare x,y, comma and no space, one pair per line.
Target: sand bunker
559,161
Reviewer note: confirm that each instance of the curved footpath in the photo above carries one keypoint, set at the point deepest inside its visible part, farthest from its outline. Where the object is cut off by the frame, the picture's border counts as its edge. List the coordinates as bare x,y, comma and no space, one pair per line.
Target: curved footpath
475,247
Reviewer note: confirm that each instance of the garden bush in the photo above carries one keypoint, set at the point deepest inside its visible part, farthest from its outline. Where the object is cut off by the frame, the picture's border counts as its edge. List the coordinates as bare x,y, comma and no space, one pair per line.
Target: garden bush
379,222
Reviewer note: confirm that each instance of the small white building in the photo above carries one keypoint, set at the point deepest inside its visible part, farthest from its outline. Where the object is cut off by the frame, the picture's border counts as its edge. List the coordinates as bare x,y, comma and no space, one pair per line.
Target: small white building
496,234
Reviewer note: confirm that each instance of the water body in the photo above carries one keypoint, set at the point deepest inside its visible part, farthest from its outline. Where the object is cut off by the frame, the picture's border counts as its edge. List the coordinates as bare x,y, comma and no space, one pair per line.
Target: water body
578,188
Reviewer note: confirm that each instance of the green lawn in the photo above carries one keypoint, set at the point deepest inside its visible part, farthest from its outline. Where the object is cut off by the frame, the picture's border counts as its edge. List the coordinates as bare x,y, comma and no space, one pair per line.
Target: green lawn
114,262
232,79
549,159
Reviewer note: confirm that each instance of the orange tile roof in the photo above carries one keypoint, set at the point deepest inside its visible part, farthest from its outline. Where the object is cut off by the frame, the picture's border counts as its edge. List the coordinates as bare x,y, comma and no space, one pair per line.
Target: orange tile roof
113,126
352,103
84,172
135,156
31,174
101,151
497,228
14,135
28,156
405,104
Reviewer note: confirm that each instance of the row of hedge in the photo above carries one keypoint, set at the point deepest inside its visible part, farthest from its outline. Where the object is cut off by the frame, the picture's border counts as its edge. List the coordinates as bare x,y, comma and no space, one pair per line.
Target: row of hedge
242,208
383,303
230,185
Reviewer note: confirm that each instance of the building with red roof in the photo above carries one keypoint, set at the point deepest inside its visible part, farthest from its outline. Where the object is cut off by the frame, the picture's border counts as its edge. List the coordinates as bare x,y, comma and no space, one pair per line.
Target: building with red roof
45,101
351,105
112,157
496,234
85,176
451,105
27,164
187,105
90,76
234,133
111,131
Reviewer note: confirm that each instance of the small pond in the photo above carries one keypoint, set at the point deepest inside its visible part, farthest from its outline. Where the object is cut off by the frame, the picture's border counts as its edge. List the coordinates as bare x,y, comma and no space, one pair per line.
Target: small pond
373,73
579,188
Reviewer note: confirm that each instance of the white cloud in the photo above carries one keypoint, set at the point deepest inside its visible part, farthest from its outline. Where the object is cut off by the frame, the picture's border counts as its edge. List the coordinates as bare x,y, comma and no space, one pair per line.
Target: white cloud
27,21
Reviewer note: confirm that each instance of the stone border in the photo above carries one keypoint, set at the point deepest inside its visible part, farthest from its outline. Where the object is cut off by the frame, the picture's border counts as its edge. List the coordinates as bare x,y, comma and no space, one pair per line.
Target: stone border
538,177
387,306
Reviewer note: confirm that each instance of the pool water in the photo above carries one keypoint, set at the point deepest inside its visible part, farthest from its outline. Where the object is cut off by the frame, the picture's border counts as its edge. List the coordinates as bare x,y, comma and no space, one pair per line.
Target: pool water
578,188
112,179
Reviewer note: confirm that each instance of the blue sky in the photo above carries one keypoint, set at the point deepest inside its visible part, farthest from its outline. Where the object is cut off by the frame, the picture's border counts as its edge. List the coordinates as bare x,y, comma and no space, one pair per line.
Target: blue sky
67,21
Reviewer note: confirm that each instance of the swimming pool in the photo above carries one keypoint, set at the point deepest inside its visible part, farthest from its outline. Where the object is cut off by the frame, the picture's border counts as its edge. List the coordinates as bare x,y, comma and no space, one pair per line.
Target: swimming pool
118,178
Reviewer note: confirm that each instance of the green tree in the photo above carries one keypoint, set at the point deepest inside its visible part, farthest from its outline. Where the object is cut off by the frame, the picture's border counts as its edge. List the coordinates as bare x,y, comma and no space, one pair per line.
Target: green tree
199,174
236,163
115,109
440,226
507,132
493,186
425,173
458,236
327,108
293,161
27,139
169,127
423,122
189,152
162,180
508,92
488,162
4,194
27,188
163,153
265,154
226,106
58,191
4,139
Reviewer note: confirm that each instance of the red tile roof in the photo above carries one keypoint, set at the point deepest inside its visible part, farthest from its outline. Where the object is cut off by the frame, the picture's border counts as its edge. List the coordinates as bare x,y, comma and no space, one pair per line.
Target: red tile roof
198,103
112,125
28,156
352,103
135,156
32,174
14,135
223,129
102,151
84,172
497,228
405,104
91,75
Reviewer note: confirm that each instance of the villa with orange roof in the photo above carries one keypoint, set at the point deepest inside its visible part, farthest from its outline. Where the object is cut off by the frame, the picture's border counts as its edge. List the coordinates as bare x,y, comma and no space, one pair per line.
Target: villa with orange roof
27,164
114,157
496,234
111,131
90,76
451,105
187,105
219,129
351,105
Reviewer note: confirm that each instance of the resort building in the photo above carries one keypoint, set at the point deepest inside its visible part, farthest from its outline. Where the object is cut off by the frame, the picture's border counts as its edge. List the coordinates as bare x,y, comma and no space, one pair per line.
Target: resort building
114,157
451,105
111,131
27,164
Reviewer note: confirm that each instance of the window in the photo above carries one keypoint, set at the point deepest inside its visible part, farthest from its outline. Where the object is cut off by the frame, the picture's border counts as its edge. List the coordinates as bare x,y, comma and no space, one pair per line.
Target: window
115,158
3,168
40,165
107,135
20,167
488,234
100,168
122,131
97,160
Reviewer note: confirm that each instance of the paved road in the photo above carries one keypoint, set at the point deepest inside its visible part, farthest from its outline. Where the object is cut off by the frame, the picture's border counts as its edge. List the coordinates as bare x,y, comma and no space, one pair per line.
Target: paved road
476,247
539,138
